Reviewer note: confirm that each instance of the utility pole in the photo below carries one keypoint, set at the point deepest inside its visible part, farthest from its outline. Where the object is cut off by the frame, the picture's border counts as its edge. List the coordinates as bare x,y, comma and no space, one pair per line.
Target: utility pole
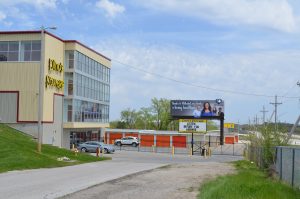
41,88
296,123
264,111
276,103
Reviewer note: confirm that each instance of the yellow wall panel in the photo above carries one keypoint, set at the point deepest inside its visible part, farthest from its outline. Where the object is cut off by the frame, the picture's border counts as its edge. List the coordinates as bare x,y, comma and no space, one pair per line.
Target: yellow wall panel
22,77
19,37
54,49
74,125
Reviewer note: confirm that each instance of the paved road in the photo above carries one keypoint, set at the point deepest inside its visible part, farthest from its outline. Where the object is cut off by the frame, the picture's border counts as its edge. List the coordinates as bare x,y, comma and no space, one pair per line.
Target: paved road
180,179
57,182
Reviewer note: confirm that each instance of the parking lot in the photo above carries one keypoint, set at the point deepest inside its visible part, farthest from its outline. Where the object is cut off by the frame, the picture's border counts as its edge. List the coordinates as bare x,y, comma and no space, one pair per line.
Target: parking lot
167,158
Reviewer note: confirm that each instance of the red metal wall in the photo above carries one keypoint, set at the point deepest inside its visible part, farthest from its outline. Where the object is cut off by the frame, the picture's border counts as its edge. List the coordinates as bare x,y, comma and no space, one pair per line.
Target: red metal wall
114,136
229,140
132,134
147,140
163,141
179,141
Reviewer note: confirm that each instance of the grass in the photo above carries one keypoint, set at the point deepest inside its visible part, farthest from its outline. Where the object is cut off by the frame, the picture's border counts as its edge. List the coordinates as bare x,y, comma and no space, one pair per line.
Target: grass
248,183
18,152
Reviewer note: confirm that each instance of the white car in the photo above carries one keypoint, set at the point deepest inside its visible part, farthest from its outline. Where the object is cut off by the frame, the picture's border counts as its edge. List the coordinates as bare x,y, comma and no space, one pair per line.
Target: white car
134,141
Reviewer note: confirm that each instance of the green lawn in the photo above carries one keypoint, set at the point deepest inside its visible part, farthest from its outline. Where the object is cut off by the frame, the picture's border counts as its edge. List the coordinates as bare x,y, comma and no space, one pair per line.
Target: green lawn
18,152
248,183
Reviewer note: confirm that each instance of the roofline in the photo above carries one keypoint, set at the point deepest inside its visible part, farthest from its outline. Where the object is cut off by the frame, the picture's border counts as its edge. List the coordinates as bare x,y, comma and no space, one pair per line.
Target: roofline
56,37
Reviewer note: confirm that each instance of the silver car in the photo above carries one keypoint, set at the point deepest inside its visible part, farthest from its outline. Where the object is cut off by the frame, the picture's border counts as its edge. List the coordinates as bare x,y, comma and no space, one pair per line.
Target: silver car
91,146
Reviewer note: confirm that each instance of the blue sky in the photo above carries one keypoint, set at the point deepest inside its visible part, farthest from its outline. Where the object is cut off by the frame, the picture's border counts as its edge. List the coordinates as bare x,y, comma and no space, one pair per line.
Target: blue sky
237,45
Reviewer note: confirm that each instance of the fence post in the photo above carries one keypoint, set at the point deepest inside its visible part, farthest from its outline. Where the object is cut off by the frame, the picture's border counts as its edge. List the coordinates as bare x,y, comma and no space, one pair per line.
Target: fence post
280,163
261,157
293,168
221,149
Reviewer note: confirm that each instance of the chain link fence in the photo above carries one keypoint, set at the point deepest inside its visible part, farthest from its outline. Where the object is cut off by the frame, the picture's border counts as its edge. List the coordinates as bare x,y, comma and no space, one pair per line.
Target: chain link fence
287,162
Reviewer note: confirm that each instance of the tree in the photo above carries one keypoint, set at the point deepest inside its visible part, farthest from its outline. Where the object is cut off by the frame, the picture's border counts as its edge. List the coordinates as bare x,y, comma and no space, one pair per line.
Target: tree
211,125
157,116
161,111
145,119
117,124
129,117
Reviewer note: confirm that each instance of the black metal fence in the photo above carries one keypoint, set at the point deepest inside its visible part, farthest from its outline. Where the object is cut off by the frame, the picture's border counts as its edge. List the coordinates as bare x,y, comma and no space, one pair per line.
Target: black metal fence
288,164
197,148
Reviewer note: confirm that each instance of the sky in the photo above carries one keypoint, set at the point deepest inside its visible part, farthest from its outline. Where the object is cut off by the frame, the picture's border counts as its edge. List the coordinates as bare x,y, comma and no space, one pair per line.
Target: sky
242,51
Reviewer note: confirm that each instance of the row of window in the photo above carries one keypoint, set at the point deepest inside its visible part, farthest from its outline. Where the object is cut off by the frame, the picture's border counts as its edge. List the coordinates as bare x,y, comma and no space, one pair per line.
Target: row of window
87,65
90,88
84,111
20,50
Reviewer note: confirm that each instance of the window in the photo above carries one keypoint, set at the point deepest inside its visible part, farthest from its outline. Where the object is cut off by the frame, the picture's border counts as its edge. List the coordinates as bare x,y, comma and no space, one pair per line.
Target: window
71,60
9,51
30,51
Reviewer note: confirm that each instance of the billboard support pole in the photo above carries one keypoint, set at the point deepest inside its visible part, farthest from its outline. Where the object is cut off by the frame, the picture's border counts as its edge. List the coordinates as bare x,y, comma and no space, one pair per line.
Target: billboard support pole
222,129
192,143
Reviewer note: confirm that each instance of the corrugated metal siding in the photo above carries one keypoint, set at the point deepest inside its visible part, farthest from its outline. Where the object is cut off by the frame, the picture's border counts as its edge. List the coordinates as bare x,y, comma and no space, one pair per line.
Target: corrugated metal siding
8,107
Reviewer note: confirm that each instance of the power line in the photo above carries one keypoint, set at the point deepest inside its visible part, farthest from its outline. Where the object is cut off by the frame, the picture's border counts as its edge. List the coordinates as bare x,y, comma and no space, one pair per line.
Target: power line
201,86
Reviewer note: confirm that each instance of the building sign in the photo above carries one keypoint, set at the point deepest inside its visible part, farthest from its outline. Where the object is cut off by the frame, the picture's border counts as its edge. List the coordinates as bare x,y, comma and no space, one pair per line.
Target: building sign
196,108
192,125
53,82
52,65
229,125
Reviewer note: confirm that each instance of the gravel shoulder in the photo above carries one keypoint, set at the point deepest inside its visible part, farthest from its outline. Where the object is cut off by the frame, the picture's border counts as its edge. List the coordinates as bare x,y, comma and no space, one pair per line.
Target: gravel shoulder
172,181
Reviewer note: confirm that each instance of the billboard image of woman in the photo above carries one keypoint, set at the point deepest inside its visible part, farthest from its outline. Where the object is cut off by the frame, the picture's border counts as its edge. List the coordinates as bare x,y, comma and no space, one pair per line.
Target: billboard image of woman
206,111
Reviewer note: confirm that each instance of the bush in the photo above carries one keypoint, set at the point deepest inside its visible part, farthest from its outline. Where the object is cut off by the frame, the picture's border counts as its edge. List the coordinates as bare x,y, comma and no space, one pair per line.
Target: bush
265,139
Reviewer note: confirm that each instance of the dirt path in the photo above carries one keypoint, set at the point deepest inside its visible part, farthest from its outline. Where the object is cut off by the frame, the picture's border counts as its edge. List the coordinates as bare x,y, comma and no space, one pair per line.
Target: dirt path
173,181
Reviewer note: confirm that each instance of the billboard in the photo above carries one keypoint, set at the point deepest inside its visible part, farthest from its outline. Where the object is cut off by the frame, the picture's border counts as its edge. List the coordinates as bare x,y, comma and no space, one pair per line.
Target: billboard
197,108
229,125
192,125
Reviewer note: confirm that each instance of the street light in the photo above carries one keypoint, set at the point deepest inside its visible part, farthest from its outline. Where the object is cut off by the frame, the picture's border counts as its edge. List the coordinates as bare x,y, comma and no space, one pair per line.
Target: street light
41,87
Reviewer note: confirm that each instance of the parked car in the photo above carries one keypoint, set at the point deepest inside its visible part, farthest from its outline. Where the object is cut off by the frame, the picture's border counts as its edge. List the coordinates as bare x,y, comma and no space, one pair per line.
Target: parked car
134,141
92,146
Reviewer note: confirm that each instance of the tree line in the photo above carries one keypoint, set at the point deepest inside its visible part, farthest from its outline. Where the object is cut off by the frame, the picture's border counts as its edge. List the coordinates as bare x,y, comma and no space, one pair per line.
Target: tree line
155,117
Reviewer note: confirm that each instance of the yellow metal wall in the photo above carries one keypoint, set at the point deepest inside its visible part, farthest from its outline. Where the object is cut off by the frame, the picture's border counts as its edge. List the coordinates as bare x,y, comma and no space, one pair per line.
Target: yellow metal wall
54,49
23,77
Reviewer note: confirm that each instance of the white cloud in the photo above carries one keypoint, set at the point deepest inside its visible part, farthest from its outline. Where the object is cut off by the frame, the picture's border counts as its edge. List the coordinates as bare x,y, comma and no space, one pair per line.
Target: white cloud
260,72
35,3
112,9
11,10
277,14
2,16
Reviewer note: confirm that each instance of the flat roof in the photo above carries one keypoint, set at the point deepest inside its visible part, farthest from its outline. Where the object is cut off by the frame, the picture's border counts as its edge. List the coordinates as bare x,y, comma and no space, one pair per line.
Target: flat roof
56,37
